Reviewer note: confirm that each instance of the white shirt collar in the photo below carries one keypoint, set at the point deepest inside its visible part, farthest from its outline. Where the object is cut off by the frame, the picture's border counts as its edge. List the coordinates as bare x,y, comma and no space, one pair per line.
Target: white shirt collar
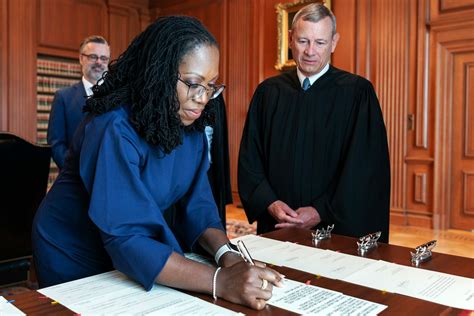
313,78
87,86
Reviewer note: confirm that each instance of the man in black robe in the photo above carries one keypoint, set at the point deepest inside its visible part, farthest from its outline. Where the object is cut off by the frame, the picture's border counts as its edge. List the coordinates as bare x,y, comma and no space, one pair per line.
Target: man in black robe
314,147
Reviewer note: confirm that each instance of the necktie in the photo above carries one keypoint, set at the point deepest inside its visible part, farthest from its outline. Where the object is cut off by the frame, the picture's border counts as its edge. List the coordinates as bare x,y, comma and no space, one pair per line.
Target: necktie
306,84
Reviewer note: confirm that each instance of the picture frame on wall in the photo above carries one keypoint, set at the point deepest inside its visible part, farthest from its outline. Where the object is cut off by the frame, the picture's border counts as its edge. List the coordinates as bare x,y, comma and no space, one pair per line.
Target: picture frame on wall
285,14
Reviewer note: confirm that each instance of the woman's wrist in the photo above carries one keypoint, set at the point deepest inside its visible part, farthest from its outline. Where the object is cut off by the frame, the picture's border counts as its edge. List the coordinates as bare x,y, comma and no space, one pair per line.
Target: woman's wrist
229,259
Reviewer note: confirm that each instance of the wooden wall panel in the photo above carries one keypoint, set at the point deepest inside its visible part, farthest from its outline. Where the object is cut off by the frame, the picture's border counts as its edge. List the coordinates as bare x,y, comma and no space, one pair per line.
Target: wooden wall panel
448,11
391,50
468,102
468,194
346,17
21,68
124,24
127,18
419,199
3,65
239,75
63,24
119,22
452,56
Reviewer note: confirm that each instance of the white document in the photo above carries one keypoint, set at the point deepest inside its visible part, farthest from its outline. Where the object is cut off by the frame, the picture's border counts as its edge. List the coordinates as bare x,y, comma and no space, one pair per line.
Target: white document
330,264
437,287
312,300
8,309
112,293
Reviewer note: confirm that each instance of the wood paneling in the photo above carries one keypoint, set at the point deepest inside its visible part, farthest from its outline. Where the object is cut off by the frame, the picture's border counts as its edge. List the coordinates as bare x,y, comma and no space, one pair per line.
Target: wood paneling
21,68
468,102
345,56
124,24
468,195
449,11
452,57
63,24
127,18
390,27
418,140
420,187
3,65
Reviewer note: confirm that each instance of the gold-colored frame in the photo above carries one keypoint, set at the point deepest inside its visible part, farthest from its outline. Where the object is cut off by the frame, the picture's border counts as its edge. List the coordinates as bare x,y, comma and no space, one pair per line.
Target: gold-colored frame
285,12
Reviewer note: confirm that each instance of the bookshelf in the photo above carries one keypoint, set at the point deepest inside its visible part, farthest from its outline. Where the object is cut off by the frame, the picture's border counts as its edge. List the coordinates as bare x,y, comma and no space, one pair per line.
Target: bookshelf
53,73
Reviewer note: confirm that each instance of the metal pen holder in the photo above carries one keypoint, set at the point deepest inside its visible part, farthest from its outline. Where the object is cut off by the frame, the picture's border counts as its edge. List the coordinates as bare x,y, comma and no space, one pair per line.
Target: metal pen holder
368,242
422,253
322,233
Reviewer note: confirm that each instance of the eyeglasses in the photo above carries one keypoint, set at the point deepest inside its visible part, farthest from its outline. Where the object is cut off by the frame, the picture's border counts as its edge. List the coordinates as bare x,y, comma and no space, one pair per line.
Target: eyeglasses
94,58
196,90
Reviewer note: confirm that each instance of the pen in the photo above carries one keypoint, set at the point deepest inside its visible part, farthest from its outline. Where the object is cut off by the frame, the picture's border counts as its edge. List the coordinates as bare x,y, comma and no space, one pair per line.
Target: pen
244,252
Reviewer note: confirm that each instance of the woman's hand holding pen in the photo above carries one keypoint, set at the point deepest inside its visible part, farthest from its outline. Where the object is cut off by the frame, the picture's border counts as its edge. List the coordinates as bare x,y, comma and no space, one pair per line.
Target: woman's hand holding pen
244,284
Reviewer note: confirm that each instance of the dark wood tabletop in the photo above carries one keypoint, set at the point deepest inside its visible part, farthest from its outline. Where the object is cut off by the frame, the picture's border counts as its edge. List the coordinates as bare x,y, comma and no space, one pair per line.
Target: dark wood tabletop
34,303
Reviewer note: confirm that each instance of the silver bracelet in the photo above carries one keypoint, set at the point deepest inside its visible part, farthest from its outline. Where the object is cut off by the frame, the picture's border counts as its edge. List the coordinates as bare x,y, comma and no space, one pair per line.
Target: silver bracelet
214,282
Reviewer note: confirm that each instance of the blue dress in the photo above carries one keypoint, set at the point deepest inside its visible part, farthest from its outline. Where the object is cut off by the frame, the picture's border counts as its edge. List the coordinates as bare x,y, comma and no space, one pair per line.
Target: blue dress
106,209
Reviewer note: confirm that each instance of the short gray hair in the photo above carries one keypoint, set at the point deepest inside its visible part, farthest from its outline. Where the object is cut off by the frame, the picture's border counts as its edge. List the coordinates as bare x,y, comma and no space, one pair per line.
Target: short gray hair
92,39
314,12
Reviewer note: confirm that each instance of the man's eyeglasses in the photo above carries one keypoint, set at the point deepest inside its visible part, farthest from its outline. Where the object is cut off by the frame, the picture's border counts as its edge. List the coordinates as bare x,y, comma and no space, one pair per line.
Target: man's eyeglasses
94,58
196,90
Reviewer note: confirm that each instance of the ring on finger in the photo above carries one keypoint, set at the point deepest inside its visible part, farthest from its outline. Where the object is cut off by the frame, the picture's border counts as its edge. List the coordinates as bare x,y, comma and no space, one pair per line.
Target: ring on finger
264,284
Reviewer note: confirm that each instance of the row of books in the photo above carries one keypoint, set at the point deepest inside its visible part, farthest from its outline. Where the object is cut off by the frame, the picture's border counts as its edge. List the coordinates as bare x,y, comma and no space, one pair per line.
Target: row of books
48,66
52,84
52,74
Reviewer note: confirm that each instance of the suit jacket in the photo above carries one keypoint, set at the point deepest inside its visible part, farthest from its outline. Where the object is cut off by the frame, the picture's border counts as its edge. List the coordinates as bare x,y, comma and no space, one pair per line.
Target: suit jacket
66,113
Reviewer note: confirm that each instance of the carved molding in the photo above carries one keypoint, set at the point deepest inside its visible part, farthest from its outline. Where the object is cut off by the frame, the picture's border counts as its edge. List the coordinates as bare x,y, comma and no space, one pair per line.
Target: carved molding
447,42
469,110
420,187
468,185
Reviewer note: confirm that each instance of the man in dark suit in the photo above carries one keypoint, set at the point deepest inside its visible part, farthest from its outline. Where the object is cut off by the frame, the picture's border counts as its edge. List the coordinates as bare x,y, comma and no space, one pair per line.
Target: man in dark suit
66,110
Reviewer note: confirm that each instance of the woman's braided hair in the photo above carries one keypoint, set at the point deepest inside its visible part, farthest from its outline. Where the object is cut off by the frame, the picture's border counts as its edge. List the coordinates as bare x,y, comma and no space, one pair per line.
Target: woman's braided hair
145,78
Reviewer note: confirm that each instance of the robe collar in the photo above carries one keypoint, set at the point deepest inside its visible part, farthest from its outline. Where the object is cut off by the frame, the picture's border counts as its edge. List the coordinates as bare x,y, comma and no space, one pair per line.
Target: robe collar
313,78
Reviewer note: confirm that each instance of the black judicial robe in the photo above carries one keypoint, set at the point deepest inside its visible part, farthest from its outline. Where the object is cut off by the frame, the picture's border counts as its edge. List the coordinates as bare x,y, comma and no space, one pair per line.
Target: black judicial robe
219,171
325,147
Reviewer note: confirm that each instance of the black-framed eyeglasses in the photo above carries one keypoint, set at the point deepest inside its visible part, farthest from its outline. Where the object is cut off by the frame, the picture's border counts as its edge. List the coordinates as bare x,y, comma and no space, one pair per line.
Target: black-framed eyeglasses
196,90
94,57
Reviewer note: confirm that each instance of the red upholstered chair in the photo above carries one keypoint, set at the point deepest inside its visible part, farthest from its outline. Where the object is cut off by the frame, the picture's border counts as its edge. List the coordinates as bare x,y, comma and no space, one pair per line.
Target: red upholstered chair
24,169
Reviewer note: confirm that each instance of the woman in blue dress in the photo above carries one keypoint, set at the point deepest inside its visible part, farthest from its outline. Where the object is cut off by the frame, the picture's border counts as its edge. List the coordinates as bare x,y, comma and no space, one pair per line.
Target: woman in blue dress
140,150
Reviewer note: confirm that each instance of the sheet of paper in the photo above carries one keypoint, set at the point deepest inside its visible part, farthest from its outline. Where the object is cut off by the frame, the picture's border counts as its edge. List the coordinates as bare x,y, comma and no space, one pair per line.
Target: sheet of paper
8,309
256,243
437,287
329,264
312,300
441,288
113,293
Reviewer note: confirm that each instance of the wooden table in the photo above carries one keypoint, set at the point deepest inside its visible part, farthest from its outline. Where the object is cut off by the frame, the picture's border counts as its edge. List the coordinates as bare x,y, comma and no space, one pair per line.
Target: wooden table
33,303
